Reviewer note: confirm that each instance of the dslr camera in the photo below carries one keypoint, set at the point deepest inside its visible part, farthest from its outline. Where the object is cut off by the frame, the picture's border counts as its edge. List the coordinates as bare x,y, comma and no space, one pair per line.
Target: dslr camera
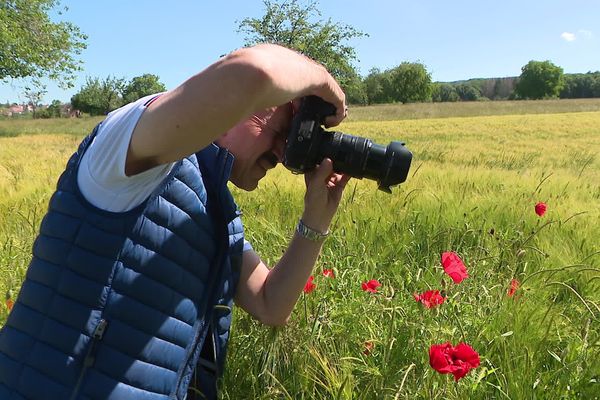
308,144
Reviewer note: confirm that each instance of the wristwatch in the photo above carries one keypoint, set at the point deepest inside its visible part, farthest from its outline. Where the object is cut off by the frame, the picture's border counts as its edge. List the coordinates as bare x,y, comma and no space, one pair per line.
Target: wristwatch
309,233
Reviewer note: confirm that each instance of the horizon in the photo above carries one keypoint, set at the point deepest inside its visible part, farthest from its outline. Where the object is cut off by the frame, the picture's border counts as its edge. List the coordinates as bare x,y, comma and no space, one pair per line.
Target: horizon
461,41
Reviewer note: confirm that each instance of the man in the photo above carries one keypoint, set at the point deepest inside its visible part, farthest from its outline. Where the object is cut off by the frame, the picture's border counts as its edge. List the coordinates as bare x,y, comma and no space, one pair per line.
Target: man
129,291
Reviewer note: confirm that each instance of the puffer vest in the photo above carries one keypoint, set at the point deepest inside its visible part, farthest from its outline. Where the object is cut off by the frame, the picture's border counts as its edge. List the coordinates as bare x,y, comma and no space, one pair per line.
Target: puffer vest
121,305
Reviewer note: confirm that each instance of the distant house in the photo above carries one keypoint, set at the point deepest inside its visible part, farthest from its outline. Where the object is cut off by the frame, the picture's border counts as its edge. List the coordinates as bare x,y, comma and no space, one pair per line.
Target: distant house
17,109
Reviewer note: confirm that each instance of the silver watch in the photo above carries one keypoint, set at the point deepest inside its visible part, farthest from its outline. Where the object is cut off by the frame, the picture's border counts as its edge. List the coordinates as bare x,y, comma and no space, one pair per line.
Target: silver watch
309,233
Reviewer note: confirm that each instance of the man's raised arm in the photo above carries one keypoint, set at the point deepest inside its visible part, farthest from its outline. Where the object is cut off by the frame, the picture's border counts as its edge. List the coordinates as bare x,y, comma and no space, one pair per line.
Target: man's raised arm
189,117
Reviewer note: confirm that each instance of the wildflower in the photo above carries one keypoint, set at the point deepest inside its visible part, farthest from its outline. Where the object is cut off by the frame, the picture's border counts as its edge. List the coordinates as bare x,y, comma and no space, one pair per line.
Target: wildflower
371,286
454,266
458,361
514,286
328,273
430,298
309,286
540,208
9,304
368,347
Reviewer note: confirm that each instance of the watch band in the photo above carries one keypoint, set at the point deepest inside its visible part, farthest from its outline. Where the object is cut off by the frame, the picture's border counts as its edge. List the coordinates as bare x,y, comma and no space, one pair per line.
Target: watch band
309,233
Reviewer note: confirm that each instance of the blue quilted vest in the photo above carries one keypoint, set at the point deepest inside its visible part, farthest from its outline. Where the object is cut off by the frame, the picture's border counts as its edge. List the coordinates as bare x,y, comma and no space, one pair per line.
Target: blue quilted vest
127,305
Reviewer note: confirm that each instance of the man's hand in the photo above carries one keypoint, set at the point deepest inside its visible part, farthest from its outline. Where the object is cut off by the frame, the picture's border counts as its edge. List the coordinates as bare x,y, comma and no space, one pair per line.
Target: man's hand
324,190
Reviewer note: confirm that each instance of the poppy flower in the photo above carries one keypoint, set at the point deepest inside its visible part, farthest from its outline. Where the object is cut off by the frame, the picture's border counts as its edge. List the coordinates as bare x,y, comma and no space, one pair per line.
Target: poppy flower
454,266
540,208
328,273
458,361
9,304
309,286
368,347
514,286
371,286
430,298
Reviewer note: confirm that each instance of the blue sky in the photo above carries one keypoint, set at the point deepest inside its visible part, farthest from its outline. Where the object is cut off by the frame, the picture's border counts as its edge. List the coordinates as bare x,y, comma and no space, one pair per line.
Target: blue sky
456,40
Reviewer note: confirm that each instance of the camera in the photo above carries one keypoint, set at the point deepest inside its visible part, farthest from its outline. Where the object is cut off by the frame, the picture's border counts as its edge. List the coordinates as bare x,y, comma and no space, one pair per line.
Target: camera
308,144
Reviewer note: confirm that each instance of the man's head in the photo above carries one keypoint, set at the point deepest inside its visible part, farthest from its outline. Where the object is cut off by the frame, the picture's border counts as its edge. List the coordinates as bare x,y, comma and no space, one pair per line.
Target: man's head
257,144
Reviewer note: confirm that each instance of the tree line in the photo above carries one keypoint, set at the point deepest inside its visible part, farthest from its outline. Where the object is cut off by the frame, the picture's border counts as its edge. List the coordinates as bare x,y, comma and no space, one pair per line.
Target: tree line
296,24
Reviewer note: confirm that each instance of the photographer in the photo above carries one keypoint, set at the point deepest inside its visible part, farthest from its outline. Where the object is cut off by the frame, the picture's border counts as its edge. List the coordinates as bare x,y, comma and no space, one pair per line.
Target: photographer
142,251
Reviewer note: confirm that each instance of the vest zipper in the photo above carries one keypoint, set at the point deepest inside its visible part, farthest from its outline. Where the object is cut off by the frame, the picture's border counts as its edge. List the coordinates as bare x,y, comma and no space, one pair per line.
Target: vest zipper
90,356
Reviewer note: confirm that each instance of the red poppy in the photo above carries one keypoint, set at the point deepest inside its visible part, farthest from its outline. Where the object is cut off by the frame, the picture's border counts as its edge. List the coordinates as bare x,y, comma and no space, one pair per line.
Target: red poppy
328,273
540,208
514,286
310,286
458,361
9,304
430,298
371,286
454,266
368,347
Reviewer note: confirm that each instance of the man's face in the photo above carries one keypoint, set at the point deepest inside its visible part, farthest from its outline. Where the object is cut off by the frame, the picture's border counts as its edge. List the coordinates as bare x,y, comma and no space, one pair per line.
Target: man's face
257,144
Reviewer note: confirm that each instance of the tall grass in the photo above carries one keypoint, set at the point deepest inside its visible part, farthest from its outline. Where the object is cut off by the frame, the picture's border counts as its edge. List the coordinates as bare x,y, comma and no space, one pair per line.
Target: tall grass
472,189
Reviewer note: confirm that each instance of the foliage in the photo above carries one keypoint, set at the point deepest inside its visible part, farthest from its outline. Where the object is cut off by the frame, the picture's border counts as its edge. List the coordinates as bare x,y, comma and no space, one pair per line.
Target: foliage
411,83
35,96
540,80
33,46
141,86
297,25
378,86
443,92
467,92
578,86
99,97
406,83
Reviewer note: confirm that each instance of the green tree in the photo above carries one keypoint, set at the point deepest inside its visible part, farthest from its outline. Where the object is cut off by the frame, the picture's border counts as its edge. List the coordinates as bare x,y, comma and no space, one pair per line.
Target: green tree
378,87
442,92
35,47
141,86
54,109
298,26
99,97
540,80
467,92
411,83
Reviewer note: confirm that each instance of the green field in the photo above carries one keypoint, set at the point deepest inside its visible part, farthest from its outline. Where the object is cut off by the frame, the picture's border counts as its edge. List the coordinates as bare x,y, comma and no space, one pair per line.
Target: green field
478,170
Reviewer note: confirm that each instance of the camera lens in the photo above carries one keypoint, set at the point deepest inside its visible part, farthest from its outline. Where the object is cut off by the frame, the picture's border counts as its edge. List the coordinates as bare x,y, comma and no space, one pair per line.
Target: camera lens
361,158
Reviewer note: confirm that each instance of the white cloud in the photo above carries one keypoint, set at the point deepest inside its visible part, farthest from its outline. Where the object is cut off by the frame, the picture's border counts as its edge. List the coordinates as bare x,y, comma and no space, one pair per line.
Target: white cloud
585,33
568,36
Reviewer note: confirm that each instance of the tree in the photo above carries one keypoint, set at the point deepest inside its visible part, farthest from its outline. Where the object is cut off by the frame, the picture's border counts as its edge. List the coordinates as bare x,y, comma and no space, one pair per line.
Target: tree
411,83
378,86
442,92
540,80
579,86
99,97
467,92
35,96
54,109
35,47
295,25
141,86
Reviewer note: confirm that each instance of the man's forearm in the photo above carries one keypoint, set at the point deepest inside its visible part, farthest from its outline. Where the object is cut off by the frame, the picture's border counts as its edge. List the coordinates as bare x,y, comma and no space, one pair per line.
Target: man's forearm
286,281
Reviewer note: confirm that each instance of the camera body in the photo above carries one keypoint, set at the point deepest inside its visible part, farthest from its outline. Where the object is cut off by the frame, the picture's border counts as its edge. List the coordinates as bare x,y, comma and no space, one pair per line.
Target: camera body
308,143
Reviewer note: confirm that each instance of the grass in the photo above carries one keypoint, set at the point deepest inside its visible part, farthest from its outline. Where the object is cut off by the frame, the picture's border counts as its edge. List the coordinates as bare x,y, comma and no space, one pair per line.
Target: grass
392,112
471,189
